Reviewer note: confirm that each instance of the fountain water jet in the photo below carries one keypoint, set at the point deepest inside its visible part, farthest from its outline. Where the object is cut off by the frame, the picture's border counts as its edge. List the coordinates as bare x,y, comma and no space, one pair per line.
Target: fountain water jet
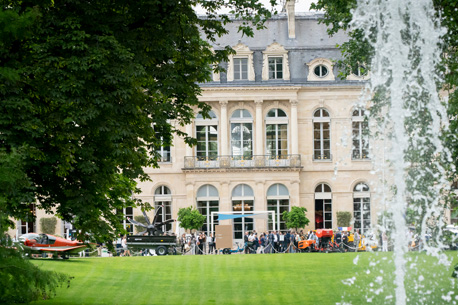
406,111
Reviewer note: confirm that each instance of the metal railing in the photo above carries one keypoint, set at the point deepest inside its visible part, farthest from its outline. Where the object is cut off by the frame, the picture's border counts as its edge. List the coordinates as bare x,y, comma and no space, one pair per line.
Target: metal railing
254,161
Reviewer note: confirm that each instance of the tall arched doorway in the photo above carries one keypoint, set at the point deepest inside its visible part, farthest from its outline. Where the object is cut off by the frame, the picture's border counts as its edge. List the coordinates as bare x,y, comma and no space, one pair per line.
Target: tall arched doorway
323,207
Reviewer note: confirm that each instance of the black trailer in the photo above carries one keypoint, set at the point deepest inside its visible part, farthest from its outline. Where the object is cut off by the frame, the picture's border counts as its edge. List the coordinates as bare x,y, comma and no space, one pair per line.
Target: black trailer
161,244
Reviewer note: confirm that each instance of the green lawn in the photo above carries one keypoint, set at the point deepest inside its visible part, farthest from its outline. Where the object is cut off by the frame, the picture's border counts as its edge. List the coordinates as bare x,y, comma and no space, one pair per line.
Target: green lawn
302,278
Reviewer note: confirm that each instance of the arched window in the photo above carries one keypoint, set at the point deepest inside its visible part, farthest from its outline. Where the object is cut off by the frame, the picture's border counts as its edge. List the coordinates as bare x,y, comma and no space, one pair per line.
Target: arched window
277,201
242,201
208,202
323,207
321,135
362,207
207,137
163,206
360,129
277,134
242,134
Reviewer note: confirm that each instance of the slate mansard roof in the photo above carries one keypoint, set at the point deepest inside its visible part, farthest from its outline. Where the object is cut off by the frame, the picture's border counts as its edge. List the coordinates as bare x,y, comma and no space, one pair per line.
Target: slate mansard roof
311,42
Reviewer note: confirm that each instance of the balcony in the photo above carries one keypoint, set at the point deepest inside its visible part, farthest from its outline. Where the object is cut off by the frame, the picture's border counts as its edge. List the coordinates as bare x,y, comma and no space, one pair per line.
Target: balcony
239,162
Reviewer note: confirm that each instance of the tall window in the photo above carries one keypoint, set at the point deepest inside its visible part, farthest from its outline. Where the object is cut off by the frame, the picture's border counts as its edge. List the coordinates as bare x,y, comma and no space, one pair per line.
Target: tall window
362,207
241,134
321,135
360,135
163,206
277,133
208,202
123,214
207,137
275,67
242,201
323,207
28,226
240,68
163,150
277,201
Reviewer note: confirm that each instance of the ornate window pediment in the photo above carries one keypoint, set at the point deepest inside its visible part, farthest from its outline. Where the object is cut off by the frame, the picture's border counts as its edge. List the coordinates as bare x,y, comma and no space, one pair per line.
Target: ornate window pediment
240,65
275,62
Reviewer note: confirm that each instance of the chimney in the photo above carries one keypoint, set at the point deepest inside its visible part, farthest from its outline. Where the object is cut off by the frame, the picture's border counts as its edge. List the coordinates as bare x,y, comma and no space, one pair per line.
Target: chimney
290,4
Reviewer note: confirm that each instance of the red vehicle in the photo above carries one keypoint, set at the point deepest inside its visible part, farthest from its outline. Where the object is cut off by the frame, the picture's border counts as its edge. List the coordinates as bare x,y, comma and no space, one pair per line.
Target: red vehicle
47,243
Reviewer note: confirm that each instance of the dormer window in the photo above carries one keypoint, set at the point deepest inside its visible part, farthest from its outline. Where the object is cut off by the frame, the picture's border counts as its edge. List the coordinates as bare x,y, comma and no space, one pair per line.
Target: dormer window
320,69
240,66
275,68
275,59
358,72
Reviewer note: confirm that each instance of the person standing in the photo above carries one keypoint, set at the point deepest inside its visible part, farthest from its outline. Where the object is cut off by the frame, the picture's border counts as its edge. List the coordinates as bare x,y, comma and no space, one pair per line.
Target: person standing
245,241
384,242
201,241
263,243
211,244
183,242
356,239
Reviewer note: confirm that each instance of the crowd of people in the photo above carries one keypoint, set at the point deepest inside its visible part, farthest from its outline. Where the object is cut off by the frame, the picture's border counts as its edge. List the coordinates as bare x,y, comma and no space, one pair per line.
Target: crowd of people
275,242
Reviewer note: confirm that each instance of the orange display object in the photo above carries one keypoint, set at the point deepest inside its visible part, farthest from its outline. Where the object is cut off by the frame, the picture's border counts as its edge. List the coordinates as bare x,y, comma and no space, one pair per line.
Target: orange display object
304,244
324,233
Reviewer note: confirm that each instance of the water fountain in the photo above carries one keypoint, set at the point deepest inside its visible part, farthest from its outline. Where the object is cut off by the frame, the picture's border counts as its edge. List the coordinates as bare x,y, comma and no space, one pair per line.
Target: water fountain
407,116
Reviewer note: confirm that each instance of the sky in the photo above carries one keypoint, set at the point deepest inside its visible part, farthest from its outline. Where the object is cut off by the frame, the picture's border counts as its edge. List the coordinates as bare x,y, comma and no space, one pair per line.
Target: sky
301,6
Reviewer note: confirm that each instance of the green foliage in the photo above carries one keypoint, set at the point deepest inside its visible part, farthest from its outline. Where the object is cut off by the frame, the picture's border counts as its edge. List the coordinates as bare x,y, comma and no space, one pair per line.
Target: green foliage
88,91
23,282
190,218
140,219
343,219
48,225
295,218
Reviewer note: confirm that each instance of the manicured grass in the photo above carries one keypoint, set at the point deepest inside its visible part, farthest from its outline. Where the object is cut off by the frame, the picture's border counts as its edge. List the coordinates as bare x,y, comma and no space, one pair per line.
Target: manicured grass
302,278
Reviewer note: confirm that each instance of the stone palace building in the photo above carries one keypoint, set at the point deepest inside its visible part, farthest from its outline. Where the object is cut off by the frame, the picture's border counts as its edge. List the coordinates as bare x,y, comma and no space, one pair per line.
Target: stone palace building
284,131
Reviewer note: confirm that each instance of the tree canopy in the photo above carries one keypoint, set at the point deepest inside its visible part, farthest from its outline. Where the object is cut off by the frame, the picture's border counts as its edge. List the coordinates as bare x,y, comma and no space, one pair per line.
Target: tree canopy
91,89
295,218
190,219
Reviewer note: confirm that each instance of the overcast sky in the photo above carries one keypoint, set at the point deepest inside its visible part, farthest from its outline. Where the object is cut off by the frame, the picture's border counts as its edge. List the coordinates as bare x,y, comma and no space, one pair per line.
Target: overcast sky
301,6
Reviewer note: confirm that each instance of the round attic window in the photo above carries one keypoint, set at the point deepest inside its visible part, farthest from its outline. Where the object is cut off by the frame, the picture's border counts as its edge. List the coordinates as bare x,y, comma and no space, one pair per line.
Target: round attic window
321,71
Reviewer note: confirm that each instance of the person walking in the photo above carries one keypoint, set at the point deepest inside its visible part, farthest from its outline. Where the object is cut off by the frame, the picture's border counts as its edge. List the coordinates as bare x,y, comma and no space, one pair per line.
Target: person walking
124,247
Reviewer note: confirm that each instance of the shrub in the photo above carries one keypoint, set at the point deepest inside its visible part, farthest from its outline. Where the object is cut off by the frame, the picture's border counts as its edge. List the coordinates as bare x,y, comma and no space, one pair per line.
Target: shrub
48,225
343,219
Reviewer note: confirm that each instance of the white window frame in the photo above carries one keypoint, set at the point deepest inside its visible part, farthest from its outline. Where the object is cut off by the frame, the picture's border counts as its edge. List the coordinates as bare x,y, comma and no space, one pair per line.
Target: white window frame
275,50
242,51
321,120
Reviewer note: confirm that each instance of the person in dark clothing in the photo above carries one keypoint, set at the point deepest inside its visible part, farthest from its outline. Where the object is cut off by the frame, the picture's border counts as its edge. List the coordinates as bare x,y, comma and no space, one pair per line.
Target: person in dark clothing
245,240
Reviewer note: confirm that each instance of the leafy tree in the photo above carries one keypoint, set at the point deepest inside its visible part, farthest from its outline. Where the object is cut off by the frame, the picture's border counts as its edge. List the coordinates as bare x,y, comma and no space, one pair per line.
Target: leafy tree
91,89
295,218
23,282
190,218
343,219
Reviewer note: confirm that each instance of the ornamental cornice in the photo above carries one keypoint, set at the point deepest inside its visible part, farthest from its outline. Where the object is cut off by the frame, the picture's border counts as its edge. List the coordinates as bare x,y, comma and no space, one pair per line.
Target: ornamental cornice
252,88
227,170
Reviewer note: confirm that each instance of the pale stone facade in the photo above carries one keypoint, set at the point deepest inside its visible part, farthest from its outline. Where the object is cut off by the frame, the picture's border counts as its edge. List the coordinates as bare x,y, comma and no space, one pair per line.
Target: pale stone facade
282,134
